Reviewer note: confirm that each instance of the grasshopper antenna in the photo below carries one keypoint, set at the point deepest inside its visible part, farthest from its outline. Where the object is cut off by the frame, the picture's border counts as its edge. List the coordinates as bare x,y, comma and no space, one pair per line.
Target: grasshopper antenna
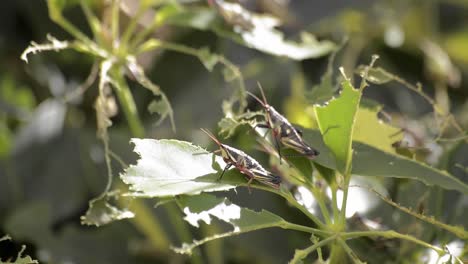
256,98
263,94
210,135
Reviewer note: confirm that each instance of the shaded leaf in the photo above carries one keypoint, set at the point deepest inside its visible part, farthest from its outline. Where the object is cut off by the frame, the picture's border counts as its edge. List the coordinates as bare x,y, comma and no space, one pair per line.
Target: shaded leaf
162,106
208,59
71,243
19,258
101,212
171,167
371,161
228,125
204,207
336,120
323,92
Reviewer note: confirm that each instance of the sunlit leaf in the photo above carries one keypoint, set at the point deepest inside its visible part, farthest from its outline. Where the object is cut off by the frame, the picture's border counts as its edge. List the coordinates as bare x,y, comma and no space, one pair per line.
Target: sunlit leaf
371,161
205,207
252,30
101,212
258,32
371,130
455,44
336,121
172,167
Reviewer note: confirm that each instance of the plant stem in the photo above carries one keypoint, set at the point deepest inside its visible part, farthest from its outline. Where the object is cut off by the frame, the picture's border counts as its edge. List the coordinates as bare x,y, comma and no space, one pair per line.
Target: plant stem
349,251
128,104
288,196
115,20
302,253
291,226
182,230
323,208
391,234
149,225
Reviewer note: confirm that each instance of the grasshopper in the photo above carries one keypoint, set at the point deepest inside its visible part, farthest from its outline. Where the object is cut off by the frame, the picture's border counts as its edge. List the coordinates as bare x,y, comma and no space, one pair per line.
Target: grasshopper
244,163
283,131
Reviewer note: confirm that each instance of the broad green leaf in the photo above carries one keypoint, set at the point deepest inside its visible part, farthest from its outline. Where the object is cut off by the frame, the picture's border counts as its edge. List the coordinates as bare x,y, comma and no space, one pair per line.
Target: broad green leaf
172,167
371,161
19,258
204,207
336,121
101,212
369,129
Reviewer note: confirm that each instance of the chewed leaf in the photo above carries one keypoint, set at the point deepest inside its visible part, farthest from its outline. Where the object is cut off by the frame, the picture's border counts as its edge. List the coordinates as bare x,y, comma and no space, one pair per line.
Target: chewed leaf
258,32
101,212
253,30
54,44
384,164
19,258
204,207
172,167
336,121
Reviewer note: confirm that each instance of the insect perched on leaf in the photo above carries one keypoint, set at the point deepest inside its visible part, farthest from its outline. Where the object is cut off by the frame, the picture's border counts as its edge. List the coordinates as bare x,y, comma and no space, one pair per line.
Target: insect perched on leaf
283,131
244,163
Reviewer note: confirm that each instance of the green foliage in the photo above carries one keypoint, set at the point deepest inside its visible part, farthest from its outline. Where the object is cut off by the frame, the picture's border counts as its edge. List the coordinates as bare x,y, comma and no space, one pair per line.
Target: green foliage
336,121
314,194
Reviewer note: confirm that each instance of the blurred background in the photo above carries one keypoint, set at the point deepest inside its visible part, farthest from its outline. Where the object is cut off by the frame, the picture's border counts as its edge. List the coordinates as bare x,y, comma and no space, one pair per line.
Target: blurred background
52,163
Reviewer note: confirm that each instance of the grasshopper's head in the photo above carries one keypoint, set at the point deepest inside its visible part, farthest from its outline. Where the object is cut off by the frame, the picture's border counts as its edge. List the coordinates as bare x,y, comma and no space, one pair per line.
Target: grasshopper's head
309,152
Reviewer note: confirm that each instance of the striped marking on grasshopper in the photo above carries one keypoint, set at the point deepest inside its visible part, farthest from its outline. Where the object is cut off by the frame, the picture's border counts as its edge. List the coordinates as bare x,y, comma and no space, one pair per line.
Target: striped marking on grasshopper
283,131
244,163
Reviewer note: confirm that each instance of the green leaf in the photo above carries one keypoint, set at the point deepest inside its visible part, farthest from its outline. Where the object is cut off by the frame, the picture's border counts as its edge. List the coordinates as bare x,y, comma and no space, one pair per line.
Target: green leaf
336,121
371,161
369,129
323,92
204,207
162,106
172,167
101,212
208,59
